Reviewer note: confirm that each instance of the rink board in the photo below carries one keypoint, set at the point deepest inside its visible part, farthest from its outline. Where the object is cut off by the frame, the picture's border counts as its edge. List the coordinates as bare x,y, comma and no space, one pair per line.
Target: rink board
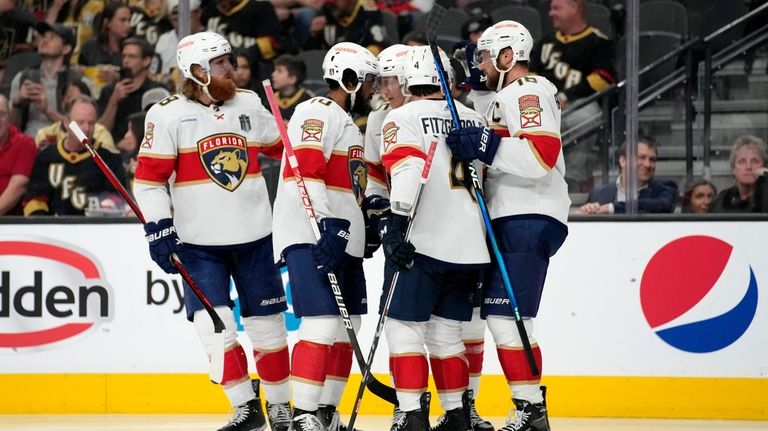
88,324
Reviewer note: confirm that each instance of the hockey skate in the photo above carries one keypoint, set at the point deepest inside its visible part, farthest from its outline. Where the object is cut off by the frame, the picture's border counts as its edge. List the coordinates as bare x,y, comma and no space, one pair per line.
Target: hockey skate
416,420
331,418
476,421
306,421
279,416
457,419
528,417
248,416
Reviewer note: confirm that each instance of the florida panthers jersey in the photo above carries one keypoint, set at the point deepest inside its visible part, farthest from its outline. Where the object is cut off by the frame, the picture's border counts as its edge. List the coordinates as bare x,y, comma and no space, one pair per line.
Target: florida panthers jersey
378,184
329,150
209,156
448,225
526,176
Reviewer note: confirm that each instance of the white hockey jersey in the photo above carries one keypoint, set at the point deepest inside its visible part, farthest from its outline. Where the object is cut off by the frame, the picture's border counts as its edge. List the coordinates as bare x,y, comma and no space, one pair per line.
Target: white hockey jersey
209,156
448,225
378,184
329,149
527,174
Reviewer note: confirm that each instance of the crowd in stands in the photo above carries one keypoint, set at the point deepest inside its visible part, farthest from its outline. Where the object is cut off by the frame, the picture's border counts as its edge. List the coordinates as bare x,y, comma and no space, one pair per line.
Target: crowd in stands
104,63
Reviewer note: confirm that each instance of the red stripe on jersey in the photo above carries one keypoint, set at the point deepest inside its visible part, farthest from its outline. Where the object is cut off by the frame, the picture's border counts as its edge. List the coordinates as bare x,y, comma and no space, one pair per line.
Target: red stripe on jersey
391,158
190,168
154,169
410,373
253,161
337,172
377,172
502,131
475,350
235,365
309,361
547,147
311,164
514,362
273,151
450,374
272,366
340,362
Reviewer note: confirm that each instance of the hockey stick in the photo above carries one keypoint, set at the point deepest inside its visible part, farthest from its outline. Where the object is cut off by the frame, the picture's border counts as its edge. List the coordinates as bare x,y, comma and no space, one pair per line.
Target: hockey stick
379,389
390,293
433,23
217,358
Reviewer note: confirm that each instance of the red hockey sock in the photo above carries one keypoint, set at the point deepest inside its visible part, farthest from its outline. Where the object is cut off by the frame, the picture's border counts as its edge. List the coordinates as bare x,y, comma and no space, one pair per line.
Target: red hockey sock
475,351
235,365
273,366
410,373
450,374
514,362
340,361
309,361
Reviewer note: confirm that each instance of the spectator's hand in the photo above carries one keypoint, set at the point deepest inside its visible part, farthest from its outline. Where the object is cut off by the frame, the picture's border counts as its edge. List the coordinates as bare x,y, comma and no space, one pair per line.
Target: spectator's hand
122,90
328,253
29,89
163,243
317,24
594,208
398,252
374,208
37,96
472,143
109,74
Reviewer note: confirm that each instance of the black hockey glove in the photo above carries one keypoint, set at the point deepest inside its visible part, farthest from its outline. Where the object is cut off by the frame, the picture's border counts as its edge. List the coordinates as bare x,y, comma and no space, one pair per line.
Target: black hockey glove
375,208
472,143
398,252
163,242
328,253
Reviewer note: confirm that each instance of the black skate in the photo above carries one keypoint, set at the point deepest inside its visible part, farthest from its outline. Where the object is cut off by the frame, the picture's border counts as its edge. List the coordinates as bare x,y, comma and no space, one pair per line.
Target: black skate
331,418
416,420
279,416
248,416
528,417
306,421
476,421
456,419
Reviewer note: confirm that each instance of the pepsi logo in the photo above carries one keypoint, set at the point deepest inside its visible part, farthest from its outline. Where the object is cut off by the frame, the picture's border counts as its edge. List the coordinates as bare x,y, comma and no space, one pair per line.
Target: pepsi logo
49,292
698,294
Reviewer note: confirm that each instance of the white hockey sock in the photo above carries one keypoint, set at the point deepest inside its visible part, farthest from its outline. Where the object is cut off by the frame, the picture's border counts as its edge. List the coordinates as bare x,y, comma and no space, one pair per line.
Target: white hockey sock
474,384
305,395
531,393
332,392
277,393
240,393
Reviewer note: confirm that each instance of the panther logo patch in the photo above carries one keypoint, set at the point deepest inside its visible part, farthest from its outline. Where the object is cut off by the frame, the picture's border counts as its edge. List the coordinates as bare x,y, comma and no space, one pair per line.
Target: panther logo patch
225,159
358,172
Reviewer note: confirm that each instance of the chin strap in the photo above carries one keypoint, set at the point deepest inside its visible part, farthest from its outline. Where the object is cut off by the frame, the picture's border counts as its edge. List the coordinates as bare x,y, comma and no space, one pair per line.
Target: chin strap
205,86
502,73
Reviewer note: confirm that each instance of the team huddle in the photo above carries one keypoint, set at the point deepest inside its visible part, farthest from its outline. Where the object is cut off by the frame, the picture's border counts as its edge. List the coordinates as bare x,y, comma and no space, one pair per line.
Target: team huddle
199,185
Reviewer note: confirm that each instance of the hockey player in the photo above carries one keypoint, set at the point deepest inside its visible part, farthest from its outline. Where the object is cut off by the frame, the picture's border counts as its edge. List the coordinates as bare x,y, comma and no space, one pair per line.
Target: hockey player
527,201
204,144
329,150
440,265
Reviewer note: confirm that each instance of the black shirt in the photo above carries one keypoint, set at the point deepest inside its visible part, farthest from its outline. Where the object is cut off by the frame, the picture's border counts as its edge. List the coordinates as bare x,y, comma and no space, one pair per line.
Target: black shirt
131,104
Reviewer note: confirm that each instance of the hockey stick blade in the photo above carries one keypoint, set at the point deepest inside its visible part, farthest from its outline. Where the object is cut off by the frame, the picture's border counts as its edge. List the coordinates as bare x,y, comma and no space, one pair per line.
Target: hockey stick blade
473,183
216,359
390,293
377,388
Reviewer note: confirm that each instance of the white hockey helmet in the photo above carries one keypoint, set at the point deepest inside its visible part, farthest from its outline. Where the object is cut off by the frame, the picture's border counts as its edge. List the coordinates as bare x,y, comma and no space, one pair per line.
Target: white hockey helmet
505,34
348,55
201,48
392,61
420,68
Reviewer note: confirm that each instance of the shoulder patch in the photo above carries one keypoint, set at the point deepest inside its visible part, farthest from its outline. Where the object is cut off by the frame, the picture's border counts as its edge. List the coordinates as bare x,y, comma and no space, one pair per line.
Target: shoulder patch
389,134
312,130
530,111
149,134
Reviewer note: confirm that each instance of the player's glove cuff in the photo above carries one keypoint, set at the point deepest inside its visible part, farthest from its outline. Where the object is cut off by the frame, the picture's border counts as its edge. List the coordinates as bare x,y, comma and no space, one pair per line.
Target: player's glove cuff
472,143
163,243
328,253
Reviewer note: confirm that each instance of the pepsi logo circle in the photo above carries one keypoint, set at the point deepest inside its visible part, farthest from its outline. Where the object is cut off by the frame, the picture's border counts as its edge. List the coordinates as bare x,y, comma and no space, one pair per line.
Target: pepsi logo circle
698,294
50,292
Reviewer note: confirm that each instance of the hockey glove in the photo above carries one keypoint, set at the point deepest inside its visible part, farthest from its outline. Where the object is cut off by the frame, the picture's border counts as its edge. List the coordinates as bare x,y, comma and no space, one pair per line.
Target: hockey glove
374,208
397,251
472,143
163,242
328,253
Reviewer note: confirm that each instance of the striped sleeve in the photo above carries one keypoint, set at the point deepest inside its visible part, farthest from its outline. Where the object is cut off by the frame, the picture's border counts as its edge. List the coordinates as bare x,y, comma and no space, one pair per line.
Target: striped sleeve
157,162
403,156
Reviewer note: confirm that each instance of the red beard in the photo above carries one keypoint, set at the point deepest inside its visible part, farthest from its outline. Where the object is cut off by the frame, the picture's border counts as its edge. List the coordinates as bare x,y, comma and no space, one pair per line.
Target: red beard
222,89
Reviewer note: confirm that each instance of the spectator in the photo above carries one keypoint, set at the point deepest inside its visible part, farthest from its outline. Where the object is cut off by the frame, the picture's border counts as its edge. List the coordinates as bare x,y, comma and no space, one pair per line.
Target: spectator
63,175
118,101
16,20
17,154
748,157
249,75
297,14
348,21
287,78
149,20
166,43
578,59
698,196
474,27
248,24
653,196
410,13
79,14
56,132
36,92
105,47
